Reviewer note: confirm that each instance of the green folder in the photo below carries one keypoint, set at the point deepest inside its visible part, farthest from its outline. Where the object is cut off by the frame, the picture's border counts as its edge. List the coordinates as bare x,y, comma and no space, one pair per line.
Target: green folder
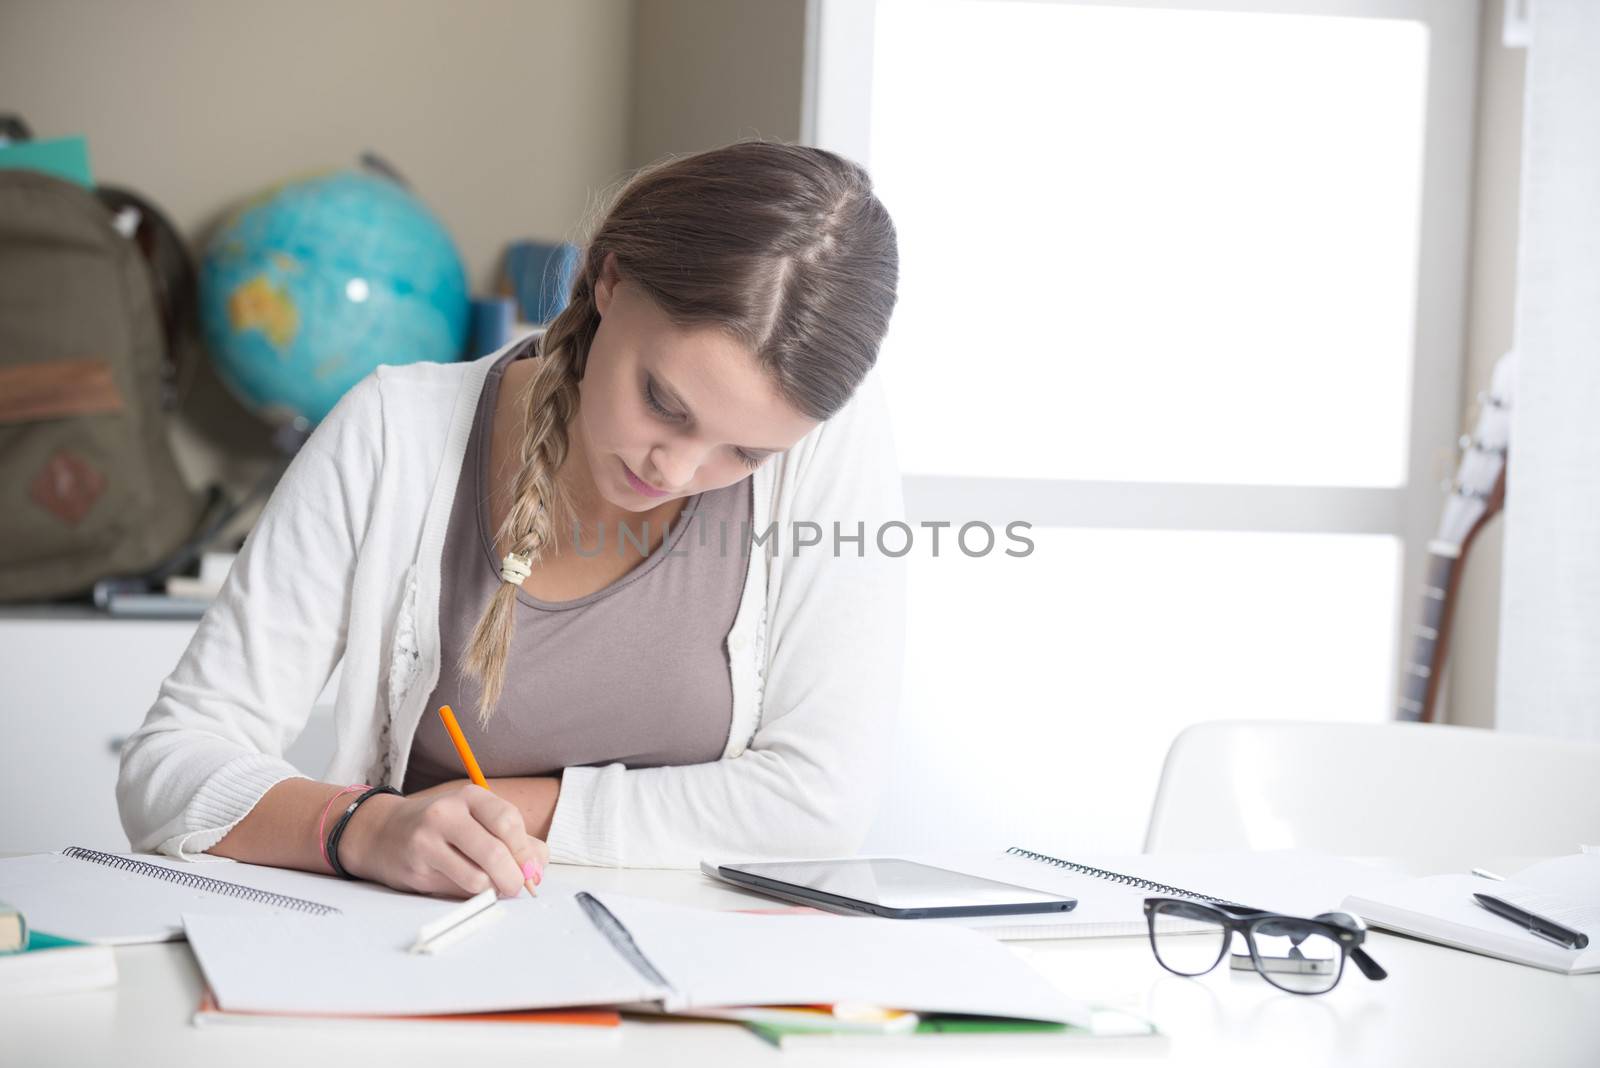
1107,1022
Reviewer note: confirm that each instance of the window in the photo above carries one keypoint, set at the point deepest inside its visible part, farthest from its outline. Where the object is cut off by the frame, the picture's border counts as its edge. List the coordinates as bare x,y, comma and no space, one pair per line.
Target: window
1181,287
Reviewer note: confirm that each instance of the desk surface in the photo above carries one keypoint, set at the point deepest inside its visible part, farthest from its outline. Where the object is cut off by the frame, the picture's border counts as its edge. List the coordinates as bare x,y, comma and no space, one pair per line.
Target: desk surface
1438,1006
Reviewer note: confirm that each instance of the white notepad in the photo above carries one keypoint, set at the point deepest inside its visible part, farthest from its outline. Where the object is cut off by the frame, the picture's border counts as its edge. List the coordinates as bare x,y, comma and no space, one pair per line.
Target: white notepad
1440,908
569,950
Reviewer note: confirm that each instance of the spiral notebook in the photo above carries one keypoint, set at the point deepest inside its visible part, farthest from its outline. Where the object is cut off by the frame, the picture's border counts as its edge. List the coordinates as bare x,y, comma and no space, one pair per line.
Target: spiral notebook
121,899
1111,891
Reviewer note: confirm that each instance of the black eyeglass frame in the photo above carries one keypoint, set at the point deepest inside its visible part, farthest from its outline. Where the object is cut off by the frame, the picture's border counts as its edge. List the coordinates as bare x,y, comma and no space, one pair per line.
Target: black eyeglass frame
1346,931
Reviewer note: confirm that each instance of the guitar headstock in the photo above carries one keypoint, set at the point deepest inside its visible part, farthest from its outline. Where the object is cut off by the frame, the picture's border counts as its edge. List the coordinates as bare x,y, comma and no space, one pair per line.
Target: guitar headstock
1478,490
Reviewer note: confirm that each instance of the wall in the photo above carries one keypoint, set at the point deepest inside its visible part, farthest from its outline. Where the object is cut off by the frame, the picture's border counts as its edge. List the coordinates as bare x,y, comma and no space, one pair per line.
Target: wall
1491,297
500,113
713,71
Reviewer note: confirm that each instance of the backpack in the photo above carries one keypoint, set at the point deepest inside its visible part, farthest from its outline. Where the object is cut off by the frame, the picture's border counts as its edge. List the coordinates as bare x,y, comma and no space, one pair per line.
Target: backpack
89,486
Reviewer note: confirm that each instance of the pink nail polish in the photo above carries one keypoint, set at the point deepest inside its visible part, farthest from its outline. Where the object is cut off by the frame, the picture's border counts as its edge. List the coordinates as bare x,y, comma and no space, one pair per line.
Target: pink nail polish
530,868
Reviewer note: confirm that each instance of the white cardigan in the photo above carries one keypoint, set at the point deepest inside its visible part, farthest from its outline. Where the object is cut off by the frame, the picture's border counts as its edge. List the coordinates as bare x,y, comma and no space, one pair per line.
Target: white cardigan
343,566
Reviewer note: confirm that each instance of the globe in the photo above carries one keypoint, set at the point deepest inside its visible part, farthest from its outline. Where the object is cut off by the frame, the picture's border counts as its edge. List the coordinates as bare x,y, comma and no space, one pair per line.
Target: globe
312,284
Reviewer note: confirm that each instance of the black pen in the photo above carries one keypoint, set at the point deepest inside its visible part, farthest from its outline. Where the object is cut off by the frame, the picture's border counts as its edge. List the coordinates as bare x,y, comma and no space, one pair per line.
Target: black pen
1565,937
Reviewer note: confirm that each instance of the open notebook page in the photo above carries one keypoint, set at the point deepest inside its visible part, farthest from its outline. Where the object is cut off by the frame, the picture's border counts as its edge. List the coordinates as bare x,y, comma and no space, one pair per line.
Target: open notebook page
729,958
543,954
1566,890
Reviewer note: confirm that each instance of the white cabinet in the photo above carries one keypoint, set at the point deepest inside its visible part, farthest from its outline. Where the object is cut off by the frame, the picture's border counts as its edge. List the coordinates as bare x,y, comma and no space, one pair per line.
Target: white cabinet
73,685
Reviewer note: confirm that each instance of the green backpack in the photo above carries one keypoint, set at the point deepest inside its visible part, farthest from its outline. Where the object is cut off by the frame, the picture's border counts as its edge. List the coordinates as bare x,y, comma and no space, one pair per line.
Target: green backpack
89,486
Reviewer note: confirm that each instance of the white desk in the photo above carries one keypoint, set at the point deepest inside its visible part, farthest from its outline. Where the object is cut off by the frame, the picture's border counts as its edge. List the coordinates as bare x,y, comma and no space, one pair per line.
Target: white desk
1438,1006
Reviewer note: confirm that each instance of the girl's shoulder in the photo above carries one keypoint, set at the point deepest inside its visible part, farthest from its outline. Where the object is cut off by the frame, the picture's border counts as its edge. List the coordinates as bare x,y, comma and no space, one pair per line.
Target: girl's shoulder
414,406
400,421
416,389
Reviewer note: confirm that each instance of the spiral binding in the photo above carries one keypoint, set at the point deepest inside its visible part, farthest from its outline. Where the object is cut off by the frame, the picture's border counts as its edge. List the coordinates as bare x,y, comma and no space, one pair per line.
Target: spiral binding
191,881
1118,877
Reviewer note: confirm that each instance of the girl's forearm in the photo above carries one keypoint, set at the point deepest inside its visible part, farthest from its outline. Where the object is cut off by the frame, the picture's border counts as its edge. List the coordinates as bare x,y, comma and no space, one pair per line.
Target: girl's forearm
282,828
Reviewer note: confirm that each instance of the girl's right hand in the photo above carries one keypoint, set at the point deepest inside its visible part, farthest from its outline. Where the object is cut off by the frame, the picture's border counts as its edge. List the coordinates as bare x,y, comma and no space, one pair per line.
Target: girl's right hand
457,842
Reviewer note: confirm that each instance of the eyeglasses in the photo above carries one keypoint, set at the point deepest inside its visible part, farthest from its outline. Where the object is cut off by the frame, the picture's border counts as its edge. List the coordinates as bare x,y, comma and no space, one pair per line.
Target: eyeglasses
1293,954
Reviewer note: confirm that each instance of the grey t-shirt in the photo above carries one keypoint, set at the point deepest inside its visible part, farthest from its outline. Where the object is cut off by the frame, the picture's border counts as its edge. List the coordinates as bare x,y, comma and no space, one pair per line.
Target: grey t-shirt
635,673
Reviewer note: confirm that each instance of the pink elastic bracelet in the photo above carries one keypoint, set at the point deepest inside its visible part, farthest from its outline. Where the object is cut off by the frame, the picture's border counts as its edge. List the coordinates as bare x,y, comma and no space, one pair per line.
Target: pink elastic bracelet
322,840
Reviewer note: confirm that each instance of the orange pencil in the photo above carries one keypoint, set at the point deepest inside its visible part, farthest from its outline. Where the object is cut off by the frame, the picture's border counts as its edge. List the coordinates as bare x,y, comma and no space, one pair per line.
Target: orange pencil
474,772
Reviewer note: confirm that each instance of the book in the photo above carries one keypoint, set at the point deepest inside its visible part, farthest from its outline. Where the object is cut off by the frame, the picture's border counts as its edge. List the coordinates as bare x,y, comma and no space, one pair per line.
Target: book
13,929
586,1026
1111,891
570,950
51,965
1440,908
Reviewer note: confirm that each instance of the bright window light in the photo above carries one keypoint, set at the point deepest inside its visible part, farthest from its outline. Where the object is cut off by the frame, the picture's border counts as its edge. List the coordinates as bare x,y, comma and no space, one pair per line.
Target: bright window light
1150,245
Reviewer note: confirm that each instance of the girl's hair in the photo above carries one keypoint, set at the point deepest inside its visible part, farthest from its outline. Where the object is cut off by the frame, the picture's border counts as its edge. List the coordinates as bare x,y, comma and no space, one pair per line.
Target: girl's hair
784,247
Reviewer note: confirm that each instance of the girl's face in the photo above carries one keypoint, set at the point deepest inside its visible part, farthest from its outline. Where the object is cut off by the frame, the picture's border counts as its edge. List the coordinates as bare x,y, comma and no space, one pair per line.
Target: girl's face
682,411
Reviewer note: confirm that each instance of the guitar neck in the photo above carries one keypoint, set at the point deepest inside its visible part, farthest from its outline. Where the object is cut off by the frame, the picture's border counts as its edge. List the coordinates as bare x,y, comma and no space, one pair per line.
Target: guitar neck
1430,639
1477,493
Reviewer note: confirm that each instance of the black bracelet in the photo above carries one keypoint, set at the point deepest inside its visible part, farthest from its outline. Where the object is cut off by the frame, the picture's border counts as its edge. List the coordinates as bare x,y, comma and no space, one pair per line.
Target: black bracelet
338,828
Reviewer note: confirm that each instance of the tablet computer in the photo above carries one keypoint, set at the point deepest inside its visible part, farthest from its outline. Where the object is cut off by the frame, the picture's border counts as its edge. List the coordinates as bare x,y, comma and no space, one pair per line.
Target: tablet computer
899,889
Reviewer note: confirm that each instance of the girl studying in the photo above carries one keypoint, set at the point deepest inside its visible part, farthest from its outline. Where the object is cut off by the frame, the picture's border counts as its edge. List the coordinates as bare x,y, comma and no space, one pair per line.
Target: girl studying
598,545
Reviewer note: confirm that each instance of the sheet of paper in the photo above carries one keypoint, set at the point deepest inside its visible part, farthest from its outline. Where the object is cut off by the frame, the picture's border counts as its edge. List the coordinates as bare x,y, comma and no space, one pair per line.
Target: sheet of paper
545,953
1564,909
730,958
1563,889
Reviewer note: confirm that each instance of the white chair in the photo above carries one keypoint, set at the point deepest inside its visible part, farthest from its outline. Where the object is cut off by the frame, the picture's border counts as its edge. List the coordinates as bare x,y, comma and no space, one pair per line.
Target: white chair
1379,790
